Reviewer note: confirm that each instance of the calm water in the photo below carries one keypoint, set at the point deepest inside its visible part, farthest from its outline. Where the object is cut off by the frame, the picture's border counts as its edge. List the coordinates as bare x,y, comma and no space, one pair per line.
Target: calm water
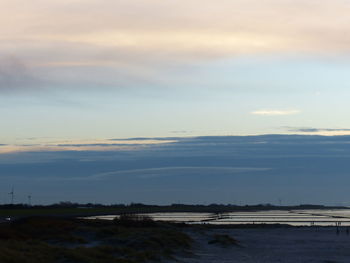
293,217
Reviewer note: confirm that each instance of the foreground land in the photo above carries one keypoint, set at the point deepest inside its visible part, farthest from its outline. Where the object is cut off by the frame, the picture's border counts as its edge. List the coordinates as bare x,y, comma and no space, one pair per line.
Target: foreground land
56,240
133,239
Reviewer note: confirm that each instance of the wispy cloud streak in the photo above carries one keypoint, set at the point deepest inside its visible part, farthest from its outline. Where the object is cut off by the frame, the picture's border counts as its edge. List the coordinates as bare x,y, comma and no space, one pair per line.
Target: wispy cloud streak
275,112
96,145
319,131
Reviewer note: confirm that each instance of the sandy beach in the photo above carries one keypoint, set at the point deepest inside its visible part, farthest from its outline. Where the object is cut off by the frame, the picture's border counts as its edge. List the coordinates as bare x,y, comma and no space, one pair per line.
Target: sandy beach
305,244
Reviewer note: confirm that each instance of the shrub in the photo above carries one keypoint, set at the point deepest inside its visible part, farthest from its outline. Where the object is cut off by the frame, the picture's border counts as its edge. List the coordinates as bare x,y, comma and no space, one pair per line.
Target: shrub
132,220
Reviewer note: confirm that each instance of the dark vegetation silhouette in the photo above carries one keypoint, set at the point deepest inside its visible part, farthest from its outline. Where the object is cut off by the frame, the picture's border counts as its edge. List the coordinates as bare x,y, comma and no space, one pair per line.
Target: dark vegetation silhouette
55,240
168,208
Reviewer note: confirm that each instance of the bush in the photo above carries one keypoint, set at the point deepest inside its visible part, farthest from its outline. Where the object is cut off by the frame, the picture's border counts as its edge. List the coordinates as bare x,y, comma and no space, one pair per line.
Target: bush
132,220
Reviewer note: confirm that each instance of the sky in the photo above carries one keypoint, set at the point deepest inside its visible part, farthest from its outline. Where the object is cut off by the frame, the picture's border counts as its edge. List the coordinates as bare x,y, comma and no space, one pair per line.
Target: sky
296,169
77,74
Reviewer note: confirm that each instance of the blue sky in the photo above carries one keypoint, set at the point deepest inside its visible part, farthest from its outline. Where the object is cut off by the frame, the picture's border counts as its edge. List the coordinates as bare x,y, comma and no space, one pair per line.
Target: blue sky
238,96
82,72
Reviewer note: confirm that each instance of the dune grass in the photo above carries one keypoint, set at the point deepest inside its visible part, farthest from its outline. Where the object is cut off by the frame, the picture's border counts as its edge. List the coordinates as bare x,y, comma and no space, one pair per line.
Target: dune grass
59,240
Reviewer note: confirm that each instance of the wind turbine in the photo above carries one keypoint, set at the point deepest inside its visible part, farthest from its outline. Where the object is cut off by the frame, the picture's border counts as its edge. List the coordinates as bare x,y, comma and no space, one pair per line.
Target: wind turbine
12,193
29,199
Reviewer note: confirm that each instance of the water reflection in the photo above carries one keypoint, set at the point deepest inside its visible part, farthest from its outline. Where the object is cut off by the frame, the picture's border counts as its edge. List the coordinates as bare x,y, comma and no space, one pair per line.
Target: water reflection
292,217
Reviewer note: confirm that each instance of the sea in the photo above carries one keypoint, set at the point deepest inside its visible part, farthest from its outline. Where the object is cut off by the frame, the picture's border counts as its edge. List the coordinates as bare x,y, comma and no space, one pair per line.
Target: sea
331,217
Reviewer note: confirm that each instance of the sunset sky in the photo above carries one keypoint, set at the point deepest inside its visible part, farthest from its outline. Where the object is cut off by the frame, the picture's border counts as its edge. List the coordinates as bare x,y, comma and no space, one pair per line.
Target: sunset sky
84,75
88,69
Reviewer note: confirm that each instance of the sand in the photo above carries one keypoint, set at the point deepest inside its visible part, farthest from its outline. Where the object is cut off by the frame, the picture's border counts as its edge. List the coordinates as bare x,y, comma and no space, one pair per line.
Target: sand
306,244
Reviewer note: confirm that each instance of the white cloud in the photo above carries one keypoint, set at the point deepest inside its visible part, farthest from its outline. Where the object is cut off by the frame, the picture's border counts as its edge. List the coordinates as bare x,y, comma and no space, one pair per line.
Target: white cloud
275,112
